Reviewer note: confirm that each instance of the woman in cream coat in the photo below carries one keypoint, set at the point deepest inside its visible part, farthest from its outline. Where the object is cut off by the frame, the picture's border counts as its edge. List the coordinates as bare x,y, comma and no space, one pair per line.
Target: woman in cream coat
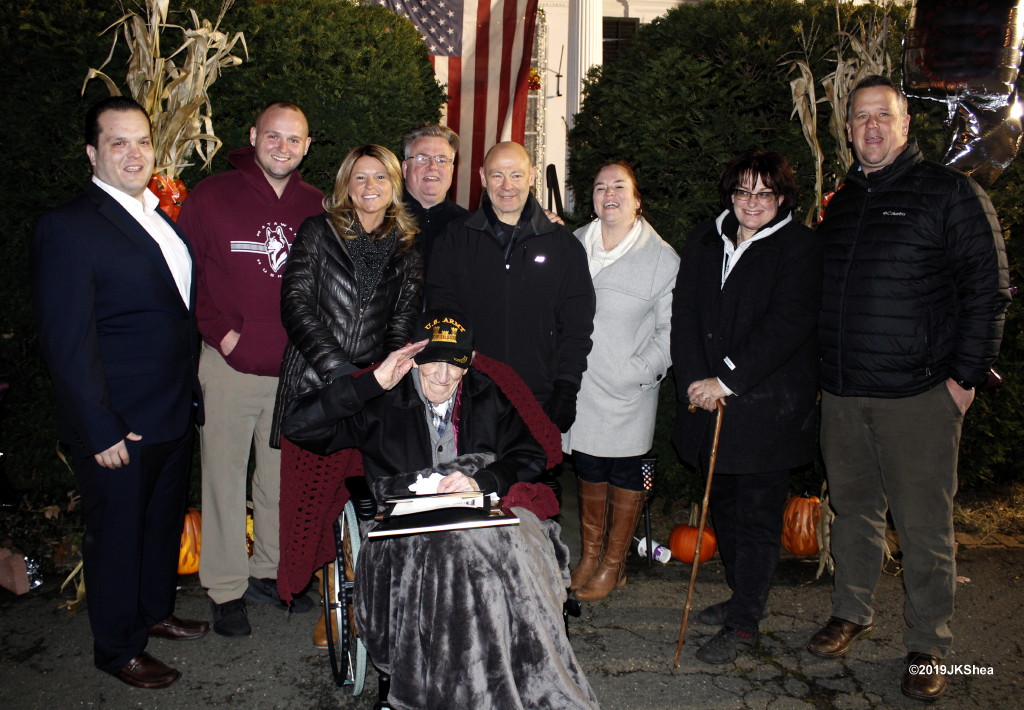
634,272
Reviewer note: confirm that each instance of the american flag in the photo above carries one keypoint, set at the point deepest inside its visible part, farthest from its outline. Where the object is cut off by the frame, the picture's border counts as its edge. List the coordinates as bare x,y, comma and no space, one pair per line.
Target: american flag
481,50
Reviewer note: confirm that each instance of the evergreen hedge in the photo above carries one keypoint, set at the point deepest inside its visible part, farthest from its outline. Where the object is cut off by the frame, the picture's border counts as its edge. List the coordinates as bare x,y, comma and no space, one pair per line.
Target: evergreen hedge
360,73
704,82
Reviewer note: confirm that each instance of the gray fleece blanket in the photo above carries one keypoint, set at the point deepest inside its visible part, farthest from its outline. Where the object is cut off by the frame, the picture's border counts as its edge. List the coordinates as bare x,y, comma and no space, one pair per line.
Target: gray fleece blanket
471,618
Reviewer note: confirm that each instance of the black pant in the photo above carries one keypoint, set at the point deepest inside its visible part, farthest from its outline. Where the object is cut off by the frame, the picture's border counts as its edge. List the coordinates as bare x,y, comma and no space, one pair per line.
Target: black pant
622,472
133,521
747,510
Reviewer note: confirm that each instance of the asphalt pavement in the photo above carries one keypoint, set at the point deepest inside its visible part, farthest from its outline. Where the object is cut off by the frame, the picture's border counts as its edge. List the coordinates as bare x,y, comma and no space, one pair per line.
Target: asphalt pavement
625,643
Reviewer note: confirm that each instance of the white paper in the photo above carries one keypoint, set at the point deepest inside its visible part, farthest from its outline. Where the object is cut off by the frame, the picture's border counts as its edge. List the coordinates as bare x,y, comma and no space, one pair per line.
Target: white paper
426,485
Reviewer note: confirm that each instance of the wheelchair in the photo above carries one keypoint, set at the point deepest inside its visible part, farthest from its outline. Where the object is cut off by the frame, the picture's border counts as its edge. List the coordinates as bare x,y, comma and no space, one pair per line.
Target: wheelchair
346,650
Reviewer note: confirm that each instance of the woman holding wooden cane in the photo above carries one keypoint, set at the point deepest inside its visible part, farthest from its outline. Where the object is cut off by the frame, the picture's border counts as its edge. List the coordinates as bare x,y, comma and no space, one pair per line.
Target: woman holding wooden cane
744,313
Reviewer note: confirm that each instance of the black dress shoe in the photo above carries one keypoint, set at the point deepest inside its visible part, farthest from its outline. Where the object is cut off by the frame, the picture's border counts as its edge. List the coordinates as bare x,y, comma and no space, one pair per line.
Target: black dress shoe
179,629
922,679
144,671
835,638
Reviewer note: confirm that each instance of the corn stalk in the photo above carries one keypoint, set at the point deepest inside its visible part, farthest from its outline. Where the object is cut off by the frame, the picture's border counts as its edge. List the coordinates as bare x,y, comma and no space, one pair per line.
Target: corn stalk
867,41
77,577
694,516
824,534
860,51
805,106
174,90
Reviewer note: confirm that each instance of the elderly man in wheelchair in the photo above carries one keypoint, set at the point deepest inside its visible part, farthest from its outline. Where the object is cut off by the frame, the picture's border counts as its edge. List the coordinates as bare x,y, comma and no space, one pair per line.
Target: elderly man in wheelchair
461,618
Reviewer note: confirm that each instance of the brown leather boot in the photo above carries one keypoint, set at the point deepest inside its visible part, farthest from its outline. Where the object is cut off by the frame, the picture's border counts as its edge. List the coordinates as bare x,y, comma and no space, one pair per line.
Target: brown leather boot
320,628
320,631
611,573
593,525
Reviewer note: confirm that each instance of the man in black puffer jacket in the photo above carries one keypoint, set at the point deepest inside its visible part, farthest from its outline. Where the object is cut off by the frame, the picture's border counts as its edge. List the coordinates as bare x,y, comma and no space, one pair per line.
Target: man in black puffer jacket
912,317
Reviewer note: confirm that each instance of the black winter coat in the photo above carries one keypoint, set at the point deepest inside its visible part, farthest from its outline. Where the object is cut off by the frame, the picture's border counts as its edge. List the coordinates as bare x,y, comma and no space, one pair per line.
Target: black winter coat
531,306
390,428
762,322
433,223
329,335
916,283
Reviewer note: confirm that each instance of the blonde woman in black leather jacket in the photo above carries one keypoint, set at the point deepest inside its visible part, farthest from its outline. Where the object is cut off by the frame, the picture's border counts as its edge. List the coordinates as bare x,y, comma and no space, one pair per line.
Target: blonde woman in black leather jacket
351,291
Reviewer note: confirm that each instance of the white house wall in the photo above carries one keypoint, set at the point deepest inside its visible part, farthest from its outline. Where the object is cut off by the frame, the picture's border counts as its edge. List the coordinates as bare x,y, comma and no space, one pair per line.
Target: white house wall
558,109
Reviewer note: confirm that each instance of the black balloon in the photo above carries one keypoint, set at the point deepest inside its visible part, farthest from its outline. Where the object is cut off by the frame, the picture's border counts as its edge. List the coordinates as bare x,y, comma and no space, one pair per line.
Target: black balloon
968,53
963,47
985,141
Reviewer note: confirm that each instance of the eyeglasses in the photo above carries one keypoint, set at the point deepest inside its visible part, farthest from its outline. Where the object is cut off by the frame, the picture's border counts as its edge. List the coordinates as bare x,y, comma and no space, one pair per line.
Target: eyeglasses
745,196
422,159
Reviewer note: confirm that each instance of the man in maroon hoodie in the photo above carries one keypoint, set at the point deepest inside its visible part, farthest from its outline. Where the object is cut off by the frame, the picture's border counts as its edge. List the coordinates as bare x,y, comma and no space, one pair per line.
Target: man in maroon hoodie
241,224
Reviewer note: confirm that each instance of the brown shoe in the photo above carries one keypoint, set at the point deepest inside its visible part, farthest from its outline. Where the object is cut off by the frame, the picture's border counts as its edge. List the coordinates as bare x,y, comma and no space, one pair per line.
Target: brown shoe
177,629
144,671
922,679
593,526
835,638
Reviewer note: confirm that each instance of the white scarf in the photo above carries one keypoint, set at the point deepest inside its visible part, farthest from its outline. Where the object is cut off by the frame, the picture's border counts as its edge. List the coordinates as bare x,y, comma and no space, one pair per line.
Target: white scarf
597,257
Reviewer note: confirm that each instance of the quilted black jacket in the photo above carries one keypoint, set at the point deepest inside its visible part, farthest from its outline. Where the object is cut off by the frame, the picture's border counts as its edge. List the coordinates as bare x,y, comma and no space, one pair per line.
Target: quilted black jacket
916,282
328,333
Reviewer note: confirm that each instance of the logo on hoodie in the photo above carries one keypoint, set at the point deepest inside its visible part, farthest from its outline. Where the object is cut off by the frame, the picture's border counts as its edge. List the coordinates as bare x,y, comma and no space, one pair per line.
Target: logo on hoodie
273,248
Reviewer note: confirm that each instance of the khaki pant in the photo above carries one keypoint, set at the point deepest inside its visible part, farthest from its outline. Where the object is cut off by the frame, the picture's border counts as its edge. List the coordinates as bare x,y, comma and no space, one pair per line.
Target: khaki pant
239,411
898,455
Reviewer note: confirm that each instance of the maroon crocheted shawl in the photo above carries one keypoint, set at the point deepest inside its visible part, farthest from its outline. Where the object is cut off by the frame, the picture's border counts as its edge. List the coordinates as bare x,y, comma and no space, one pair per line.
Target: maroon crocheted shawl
313,491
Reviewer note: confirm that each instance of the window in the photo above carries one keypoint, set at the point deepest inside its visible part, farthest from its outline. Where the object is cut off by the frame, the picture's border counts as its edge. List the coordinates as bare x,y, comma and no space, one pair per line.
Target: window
617,32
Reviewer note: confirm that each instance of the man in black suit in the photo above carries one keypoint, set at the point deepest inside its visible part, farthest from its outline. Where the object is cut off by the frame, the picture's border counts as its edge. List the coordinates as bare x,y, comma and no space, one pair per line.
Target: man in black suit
113,290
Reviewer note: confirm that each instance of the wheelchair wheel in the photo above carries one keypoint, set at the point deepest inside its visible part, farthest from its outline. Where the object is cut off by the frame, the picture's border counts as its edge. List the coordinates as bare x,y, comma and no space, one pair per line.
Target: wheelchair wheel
346,650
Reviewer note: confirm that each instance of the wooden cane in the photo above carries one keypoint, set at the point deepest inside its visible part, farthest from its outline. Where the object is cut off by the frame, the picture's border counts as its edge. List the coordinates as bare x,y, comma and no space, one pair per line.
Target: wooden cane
700,530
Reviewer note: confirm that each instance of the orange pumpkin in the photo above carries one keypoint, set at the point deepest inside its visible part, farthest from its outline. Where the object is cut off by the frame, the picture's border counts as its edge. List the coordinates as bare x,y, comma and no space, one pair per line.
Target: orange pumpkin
683,542
250,539
800,525
172,193
191,542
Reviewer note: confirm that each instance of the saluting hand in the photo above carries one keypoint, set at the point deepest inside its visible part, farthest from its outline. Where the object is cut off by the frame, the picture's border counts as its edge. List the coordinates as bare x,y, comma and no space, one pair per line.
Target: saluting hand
397,364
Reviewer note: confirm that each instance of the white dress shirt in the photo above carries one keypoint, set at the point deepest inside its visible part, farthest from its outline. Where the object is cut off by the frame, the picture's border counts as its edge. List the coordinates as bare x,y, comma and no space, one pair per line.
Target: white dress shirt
174,250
